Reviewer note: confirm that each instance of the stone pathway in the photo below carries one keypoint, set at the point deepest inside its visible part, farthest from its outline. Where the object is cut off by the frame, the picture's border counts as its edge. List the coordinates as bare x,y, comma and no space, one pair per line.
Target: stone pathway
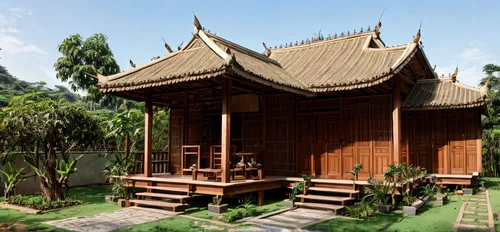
291,219
475,214
113,220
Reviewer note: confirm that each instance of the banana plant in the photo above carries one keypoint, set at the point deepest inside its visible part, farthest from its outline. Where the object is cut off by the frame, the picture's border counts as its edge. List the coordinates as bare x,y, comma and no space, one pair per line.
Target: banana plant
65,169
12,178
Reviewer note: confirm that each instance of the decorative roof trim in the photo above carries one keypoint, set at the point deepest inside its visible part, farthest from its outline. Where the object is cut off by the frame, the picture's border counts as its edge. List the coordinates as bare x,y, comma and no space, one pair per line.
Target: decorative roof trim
321,42
211,44
447,107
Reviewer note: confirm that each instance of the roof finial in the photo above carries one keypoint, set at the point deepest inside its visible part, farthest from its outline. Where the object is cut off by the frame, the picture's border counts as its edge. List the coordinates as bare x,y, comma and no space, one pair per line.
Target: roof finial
180,46
197,24
166,46
131,63
379,24
454,75
416,38
361,31
268,50
434,68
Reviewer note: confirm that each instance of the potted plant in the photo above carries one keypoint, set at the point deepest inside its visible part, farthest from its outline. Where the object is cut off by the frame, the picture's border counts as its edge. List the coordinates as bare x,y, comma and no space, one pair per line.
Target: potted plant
354,172
297,189
216,206
408,201
394,175
379,190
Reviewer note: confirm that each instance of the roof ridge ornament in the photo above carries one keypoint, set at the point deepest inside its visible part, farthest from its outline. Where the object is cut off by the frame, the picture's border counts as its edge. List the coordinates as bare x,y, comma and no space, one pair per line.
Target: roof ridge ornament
379,24
416,38
268,50
454,75
131,63
180,46
197,24
100,78
169,49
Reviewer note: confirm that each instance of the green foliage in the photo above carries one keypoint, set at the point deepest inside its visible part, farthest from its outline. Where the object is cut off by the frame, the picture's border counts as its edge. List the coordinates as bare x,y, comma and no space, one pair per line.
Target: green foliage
120,166
217,200
32,121
10,87
408,198
12,179
429,190
75,65
360,209
379,190
41,203
297,189
491,124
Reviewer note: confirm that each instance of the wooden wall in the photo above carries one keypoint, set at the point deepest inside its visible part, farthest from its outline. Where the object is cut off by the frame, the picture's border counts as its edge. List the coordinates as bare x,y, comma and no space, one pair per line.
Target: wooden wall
326,137
444,142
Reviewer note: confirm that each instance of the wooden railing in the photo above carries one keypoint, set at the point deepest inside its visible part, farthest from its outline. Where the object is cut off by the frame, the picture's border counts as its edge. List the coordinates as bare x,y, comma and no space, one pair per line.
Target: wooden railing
159,162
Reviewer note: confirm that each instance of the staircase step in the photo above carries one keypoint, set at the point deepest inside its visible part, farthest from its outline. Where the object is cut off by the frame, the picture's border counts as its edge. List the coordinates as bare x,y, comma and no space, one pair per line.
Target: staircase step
334,208
325,198
170,189
182,198
175,206
333,190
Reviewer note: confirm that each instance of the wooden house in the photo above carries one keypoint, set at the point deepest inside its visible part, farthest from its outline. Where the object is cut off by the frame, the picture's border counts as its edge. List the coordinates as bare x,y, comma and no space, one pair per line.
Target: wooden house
315,107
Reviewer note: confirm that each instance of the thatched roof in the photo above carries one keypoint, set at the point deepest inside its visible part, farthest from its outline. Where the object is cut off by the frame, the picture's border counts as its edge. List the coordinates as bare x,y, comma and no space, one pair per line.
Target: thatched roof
352,62
443,93
332,64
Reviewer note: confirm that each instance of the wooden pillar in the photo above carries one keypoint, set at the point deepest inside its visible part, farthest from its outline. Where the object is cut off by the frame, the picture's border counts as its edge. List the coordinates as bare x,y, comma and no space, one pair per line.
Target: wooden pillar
226,130
260,198
396,119
148,127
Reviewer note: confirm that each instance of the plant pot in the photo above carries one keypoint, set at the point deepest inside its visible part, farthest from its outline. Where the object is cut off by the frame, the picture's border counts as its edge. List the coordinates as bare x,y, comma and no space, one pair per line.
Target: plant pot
218,209
410,210
289,204
384,208
111,199
122,202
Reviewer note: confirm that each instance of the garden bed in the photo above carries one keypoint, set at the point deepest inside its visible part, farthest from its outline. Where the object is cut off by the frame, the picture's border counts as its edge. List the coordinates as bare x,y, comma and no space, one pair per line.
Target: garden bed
39,202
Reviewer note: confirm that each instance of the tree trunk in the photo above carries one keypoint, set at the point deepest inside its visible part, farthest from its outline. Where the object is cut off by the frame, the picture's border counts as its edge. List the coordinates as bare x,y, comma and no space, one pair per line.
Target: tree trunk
50,187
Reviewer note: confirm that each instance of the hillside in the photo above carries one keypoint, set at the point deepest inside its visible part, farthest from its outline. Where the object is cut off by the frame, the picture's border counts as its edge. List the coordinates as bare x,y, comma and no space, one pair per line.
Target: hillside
10,86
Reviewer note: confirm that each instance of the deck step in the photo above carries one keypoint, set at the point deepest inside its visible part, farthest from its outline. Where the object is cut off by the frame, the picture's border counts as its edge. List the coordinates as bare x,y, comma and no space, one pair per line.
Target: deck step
334,208
325,198
170,189
176,207
333,190
182,198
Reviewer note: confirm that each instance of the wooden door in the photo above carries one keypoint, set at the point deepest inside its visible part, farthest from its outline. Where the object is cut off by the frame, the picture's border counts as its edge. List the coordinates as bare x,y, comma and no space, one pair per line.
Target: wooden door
439,158
176,139
304,142
381,133
363,140
320,144
471,144
456,143
348,139
424,140
333,157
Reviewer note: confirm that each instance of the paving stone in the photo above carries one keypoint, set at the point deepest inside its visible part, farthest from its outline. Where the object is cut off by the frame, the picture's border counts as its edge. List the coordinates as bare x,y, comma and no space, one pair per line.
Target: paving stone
110,221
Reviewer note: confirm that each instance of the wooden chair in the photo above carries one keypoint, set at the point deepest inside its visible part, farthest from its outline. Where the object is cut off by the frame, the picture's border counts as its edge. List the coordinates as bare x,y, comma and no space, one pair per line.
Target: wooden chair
216,159
189,151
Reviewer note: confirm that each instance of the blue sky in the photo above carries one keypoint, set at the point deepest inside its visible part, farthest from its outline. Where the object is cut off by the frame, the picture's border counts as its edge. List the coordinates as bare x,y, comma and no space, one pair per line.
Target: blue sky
453,32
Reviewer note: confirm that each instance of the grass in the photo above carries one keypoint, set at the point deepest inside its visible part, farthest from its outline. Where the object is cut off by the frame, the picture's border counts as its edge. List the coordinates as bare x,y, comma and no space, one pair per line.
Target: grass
176,223
93,196
429,219
199,206
493,184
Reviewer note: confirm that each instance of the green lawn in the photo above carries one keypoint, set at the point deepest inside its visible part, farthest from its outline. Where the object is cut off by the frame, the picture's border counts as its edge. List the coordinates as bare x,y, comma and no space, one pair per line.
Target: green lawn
93,196
428,219
198,206
493,185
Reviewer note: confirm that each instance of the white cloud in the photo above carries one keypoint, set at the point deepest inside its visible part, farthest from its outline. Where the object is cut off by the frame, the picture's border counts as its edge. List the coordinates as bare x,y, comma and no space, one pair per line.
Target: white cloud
19,12
14,45
470,63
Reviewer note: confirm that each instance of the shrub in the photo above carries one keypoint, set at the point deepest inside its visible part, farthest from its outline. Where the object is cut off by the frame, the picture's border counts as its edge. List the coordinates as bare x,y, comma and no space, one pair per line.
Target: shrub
239,213
41,203
360,209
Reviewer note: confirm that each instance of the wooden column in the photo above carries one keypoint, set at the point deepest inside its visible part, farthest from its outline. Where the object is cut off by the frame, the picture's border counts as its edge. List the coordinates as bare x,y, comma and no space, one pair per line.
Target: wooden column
260,198
396,119
226,130
148,127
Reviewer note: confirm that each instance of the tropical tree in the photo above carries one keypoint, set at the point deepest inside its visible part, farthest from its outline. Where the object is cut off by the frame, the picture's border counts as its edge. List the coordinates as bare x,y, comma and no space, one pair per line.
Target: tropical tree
75,65
34,121
124,126
491,124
